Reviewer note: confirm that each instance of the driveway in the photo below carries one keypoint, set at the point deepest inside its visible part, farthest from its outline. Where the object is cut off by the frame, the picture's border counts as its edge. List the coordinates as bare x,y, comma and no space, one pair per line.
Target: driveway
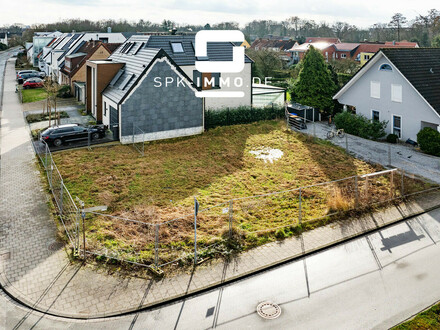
401,156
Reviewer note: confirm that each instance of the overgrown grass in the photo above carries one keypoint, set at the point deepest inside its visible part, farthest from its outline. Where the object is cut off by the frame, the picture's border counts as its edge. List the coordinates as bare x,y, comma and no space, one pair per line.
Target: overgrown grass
33,95
216,166
429,319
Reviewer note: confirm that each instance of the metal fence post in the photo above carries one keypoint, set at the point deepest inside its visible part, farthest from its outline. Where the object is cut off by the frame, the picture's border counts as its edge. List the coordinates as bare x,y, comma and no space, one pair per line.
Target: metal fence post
402,188
367,189
356,191
392,184
195,230
78,217
45,163
389,155
51,173
156,246
133,134
230,217
61,197
300,207
143,143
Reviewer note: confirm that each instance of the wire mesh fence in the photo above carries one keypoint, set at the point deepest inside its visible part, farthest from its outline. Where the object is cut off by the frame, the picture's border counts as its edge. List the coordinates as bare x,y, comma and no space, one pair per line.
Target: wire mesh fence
68,212
138,139
202,231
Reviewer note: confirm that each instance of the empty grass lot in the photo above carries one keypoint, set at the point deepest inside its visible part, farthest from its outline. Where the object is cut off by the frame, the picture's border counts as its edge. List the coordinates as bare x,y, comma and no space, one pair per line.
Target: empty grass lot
33,95
216,167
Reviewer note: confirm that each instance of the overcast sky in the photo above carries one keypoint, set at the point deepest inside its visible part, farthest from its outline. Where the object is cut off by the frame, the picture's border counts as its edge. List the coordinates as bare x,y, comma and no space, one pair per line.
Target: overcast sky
360,13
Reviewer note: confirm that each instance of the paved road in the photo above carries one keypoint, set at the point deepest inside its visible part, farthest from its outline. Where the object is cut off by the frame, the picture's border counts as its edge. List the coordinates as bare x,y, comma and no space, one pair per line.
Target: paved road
374,281
402,156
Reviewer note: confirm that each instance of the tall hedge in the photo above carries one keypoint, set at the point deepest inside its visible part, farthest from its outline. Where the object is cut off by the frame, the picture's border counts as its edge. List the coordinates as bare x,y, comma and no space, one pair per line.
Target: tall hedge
360,125
429,141
241,115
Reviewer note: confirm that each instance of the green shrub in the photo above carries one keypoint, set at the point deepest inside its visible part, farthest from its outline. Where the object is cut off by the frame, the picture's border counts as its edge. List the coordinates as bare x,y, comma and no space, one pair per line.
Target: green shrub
241,115
36,117
392,138
429,141
64,91
360,125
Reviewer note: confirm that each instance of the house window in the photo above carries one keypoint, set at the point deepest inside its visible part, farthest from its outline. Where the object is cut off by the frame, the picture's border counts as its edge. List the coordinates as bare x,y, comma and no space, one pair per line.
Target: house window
366,57
375,89
105,109
375,115
343,55
206,80
385,67
397,126
177,47
396,93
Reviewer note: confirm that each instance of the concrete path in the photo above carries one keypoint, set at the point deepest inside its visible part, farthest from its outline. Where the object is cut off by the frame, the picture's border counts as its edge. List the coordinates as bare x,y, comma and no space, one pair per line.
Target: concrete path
34,272
402,156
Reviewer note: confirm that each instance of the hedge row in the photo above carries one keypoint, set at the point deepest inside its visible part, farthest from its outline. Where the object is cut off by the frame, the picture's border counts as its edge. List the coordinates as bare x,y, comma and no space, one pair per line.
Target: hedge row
241,115
360,125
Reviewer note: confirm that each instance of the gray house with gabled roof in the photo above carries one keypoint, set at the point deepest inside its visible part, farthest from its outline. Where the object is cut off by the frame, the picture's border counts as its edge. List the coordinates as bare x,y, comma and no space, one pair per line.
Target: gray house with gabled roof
400,86
153,89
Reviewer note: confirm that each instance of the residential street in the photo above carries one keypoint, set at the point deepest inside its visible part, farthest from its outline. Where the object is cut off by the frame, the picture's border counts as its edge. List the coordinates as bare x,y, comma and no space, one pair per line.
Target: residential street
402,156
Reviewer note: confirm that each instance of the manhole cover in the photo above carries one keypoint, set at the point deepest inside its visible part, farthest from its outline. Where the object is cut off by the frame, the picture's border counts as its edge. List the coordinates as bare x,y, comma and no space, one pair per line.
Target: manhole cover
55,246
268,310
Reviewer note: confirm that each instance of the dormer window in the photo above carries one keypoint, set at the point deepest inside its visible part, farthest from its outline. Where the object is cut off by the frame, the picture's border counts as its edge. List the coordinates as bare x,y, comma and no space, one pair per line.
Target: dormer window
385,67
177,47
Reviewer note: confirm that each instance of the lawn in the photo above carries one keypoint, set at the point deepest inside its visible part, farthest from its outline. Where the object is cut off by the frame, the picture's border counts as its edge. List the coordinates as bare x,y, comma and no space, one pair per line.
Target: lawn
33,95
215,167
429,319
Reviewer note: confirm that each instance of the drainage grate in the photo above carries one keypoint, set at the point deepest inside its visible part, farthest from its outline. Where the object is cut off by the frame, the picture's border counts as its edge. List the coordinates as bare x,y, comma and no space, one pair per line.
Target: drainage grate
268,310
55,246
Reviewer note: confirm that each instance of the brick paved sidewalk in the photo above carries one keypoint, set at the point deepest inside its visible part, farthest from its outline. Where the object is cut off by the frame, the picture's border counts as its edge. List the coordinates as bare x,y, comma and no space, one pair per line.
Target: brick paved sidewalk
46,279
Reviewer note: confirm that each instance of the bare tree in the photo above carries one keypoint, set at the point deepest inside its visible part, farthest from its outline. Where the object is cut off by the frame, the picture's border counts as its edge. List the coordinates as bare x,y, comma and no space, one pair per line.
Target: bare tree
52,88
397,21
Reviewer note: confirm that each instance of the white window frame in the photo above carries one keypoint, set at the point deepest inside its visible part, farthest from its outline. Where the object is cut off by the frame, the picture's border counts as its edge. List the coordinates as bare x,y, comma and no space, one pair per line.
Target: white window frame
372,116
374,95
343,55
401,125
394,96
385,70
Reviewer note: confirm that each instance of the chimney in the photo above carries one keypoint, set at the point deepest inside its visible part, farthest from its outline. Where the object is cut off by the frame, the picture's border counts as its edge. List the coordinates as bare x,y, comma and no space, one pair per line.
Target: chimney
109,29
173,31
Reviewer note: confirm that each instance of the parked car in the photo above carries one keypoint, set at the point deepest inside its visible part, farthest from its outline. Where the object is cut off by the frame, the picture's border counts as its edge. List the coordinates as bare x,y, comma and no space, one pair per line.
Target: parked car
25,71
33,83
26,75
57,135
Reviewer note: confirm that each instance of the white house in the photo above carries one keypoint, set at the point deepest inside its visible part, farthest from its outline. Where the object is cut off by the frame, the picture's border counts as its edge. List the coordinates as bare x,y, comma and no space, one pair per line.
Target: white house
400,86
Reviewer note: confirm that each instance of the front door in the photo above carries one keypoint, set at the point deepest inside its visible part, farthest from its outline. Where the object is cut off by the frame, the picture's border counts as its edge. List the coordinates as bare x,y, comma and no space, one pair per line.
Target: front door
114,122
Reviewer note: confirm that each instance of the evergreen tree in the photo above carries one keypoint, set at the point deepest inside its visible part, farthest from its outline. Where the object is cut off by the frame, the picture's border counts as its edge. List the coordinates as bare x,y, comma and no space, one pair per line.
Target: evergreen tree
315,86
